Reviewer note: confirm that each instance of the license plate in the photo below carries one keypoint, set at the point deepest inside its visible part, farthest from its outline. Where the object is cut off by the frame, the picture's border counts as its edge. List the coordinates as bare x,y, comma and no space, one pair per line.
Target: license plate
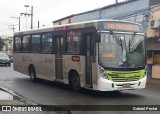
127,85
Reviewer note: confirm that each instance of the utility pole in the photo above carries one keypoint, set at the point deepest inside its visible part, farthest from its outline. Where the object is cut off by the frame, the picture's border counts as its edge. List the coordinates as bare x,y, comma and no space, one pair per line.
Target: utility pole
31,17
27,14
38,24
116,1
13,27
19,21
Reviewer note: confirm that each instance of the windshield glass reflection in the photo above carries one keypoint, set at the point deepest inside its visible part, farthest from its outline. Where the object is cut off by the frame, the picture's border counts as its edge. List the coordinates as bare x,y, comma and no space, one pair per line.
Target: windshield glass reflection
119,50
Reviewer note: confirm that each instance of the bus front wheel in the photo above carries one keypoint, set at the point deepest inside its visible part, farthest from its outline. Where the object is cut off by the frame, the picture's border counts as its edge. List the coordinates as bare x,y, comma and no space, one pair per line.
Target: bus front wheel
32,74
75,82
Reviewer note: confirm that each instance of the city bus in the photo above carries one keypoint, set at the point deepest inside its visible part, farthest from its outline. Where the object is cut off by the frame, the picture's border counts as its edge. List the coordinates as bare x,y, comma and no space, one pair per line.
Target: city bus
100,55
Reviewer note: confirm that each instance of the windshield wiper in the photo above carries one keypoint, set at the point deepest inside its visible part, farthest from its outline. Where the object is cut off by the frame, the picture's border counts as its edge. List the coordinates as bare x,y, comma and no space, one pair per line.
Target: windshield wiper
131,41
123,47
119,41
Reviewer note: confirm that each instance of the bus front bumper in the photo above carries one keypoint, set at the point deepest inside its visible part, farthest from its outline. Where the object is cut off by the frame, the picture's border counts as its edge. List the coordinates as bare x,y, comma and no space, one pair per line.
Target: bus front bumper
107,85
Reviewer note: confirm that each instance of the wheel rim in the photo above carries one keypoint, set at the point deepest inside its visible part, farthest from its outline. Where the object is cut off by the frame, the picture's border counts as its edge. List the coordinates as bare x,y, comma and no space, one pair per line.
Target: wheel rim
76,80
76,83
32,75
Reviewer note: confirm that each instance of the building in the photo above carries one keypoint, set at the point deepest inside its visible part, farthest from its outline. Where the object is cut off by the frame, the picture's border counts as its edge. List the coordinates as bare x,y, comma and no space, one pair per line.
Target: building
8,47
131,10
65,20
145,12
153,39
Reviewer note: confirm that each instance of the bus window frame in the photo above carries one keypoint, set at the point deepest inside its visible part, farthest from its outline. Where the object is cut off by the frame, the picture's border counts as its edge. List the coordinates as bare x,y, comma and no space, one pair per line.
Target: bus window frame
58,33
83,31
22,51
80,45
55,33
52,52
40,43
14,44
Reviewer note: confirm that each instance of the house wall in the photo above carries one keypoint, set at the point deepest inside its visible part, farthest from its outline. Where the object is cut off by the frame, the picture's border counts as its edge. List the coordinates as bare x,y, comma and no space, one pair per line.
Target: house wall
128,9
153,15
8,47
65,21
87,16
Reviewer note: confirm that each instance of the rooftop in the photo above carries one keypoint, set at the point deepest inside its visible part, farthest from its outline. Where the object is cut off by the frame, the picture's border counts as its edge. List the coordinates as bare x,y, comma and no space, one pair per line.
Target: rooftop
108,6
105,7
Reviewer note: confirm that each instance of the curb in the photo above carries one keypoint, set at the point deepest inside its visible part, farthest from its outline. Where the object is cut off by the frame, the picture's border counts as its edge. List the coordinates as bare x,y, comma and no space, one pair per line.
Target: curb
16,98
20,100
153,81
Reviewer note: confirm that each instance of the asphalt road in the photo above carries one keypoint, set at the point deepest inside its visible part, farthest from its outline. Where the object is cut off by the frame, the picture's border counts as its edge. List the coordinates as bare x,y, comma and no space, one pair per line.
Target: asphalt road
47,93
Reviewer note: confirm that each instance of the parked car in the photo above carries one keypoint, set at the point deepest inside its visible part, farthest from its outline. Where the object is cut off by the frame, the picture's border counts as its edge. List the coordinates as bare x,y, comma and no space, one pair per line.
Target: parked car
11,58
4,59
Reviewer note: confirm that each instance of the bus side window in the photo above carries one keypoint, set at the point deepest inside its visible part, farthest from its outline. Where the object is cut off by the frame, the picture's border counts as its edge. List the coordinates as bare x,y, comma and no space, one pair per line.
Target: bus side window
47,43
73,42
17,44
26,43
53,45
36,43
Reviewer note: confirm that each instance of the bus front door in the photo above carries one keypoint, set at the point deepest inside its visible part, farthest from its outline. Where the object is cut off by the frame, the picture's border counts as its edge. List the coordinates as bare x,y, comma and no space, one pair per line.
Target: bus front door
88,59
59,59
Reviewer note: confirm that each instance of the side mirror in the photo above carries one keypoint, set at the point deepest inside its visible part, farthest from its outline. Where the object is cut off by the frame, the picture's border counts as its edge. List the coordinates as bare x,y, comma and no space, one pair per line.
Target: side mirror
98,37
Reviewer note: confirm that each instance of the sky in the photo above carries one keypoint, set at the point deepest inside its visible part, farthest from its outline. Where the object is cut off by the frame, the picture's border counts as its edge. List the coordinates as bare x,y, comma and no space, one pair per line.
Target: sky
44,11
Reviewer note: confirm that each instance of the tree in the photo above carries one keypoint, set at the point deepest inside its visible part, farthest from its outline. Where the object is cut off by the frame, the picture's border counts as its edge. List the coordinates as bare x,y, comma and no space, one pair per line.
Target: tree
1,44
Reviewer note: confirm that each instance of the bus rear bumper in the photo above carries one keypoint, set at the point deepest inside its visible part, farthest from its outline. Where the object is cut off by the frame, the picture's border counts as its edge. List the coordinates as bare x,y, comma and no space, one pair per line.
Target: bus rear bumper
107,85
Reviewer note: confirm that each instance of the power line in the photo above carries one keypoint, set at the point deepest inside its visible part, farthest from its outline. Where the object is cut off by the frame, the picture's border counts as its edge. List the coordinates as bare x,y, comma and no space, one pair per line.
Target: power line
42,4
37,7
57,2
51,6
45,6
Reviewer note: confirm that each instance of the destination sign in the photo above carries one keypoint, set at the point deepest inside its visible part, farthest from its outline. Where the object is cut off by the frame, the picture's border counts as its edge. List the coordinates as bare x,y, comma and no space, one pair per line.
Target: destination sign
120,26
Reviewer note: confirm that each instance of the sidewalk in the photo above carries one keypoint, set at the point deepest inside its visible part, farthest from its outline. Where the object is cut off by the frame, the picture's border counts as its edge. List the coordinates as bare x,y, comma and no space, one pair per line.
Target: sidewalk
8,97
11,99
153,81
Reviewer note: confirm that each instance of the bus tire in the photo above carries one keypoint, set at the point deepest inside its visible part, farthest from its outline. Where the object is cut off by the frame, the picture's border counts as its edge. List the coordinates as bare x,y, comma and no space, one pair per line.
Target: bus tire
32,74
75,82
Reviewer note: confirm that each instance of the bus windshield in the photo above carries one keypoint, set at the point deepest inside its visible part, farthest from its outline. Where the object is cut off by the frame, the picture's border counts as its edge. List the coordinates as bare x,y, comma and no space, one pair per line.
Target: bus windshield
122,50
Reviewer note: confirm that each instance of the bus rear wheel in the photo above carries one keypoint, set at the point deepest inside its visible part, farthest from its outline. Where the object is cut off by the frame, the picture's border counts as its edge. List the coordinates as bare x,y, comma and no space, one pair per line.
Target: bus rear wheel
32,74
75,82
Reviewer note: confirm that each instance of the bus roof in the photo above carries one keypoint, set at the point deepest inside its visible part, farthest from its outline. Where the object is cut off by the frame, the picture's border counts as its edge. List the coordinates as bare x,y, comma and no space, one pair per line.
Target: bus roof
78,25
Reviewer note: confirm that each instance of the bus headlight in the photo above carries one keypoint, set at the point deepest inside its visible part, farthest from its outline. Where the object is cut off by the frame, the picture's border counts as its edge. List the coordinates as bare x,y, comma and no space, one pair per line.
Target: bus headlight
102,72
